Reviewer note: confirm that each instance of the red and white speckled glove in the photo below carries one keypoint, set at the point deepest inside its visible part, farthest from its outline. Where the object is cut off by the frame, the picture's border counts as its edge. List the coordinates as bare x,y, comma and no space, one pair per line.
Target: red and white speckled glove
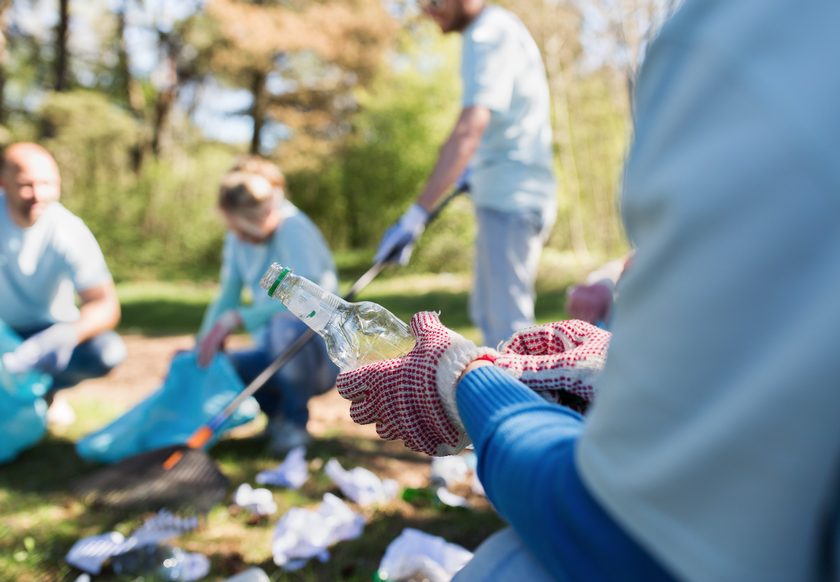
413,398
557,360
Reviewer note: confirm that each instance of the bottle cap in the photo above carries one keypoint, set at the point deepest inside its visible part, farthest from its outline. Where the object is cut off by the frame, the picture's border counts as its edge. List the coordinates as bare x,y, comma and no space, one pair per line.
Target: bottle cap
274,268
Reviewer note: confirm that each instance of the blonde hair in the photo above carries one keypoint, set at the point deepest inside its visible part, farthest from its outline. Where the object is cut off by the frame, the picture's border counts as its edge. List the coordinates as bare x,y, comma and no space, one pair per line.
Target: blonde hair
261,167
247,194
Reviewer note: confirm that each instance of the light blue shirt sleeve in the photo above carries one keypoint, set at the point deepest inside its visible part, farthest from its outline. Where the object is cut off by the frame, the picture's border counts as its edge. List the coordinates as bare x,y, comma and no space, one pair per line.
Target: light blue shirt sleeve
715,436
487,69
230,288
85,261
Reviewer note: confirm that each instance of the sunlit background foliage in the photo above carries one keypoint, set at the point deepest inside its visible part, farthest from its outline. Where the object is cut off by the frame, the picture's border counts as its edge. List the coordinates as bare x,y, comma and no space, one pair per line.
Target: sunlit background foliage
145,103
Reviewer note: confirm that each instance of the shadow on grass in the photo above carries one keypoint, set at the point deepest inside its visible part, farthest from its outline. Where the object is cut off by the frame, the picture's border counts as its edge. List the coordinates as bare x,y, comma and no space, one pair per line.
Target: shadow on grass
161,317
46,468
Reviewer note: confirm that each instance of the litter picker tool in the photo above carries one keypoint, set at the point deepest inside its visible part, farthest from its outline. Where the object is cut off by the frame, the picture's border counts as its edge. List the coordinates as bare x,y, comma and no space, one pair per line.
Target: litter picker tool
183,477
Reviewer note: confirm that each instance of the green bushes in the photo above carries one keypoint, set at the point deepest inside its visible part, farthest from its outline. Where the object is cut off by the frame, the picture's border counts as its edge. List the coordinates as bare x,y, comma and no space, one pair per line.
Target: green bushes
158,221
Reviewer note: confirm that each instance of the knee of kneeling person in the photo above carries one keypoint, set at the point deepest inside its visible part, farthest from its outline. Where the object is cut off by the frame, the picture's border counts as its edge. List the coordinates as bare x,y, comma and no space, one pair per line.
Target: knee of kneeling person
111,350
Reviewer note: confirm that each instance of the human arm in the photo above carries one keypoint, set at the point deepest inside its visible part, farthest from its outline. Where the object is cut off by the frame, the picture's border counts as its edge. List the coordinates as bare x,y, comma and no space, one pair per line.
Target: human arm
455,154
99,311
50,350
452,161
592,301
414,399
221,317
526,463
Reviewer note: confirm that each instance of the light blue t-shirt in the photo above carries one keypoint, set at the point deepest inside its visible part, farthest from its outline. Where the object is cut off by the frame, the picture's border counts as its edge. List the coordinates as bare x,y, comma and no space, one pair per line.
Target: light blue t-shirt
715,436
296,243
502,70
43,267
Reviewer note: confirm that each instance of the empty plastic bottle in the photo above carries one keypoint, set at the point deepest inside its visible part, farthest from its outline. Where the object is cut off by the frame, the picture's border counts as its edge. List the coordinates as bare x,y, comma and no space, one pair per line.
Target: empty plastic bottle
161,562
355,333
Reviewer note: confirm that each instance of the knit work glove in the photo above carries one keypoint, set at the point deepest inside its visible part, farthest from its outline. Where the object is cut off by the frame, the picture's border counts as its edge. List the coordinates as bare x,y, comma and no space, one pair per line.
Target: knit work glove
214,340
557,359
48,351
398,241
413,398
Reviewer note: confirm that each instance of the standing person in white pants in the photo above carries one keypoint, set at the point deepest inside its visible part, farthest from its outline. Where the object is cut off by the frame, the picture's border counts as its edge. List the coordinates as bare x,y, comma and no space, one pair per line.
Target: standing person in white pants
504,130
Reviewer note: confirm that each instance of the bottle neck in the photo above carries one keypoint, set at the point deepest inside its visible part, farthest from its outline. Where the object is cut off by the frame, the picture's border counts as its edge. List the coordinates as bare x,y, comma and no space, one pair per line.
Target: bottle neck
307,301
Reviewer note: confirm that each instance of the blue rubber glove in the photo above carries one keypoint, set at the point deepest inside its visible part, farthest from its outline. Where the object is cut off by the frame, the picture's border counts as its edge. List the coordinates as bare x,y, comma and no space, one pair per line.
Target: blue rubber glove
48,351
398,242
463,182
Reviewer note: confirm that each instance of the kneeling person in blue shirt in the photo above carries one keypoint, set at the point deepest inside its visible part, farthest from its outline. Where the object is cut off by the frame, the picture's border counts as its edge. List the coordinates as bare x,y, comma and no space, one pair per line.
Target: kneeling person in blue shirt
48,260
264,227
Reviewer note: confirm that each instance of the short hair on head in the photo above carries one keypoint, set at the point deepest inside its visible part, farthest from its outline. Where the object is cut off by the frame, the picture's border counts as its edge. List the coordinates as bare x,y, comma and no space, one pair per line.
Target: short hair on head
22,148
246,192
261,167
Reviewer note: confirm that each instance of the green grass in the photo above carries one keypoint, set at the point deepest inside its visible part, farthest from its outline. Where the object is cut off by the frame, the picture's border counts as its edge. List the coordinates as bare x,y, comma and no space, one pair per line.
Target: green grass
159,308
40,520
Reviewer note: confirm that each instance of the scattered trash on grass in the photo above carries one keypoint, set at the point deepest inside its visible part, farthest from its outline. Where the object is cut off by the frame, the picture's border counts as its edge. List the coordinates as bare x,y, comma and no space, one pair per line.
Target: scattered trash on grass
417,554
250,575
258,501
302,534
451,499
291,473
162,563
89,554
360,485
434,496
449,471
60,414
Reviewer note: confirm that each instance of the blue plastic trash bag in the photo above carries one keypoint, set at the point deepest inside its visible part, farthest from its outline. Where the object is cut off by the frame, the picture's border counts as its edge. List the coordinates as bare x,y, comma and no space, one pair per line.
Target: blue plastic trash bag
190,396
23,413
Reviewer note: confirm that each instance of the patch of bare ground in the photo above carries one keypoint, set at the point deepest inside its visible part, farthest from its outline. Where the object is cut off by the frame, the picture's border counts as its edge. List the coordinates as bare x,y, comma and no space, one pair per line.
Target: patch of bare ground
148,361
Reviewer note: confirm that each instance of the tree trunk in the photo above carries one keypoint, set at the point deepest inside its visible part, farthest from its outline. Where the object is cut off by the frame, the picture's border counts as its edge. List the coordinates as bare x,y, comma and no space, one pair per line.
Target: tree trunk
258,109
128,89
127,86
61,53
163,105
4,59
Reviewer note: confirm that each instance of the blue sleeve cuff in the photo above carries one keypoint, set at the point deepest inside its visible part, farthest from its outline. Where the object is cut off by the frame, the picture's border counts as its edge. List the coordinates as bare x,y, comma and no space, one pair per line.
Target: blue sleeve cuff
487,394
526,450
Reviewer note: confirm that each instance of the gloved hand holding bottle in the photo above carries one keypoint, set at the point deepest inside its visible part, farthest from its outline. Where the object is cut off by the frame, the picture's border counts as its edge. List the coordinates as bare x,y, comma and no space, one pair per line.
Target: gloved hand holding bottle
412,398
404,380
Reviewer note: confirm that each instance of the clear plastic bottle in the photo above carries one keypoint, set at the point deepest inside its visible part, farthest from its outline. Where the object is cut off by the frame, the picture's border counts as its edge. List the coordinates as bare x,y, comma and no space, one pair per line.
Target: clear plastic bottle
355,333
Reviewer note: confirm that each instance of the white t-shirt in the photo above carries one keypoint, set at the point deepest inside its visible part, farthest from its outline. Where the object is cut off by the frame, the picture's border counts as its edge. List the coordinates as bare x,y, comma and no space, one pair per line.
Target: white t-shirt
43,267
715,437
502,70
